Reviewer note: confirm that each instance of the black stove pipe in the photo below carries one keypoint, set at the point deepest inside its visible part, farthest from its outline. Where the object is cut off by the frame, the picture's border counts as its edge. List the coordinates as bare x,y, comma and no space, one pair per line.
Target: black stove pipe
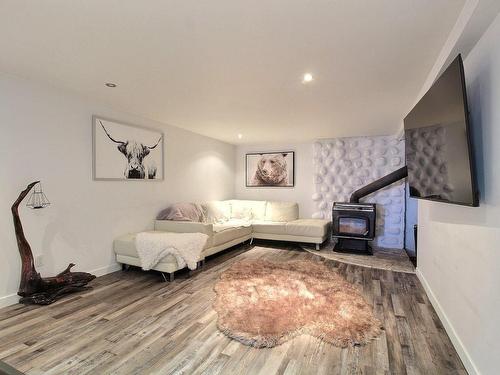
379,184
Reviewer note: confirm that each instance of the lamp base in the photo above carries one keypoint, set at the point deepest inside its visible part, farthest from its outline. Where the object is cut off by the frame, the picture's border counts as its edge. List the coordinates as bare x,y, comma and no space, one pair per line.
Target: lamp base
35,289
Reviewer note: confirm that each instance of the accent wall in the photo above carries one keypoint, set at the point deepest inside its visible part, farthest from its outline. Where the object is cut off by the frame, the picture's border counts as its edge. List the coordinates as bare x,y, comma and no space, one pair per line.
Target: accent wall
344,165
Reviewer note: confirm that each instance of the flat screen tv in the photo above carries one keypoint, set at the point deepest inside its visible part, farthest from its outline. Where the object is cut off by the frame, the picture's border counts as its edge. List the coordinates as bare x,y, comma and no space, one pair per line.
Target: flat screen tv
439,153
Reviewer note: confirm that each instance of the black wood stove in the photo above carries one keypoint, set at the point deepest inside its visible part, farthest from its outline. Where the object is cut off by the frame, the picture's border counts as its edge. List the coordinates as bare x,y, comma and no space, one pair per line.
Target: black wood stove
354,223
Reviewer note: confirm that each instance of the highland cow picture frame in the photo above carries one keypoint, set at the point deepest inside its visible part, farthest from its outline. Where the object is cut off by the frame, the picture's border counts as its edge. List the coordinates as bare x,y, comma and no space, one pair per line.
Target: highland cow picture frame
125,152
270,169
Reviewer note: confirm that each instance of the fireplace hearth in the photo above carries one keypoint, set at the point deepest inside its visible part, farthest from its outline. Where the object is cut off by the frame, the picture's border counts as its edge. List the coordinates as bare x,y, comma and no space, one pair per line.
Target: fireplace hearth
353,225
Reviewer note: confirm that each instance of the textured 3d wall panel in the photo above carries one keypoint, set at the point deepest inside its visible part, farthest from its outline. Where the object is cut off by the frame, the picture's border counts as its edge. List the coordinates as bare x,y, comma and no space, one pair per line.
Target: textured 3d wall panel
429,169
346,164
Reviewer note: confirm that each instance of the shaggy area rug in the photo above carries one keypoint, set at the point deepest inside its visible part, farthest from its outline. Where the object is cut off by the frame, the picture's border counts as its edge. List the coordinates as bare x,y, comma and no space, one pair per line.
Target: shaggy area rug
264,304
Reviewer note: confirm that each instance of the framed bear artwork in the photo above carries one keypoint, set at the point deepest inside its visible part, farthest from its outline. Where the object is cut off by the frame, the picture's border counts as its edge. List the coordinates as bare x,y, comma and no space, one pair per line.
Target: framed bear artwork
270,169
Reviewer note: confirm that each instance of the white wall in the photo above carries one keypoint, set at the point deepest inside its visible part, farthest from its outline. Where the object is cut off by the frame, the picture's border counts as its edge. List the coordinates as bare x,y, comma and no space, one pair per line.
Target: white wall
46,134
459,247
303,189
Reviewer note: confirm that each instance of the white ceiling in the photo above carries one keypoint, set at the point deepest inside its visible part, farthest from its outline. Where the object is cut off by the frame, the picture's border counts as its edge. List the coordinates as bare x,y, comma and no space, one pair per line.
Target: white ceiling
224,67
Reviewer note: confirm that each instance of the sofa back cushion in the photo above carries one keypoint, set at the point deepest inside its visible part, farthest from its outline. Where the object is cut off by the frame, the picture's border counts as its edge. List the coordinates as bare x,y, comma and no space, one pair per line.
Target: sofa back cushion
218,211
248,210
282,211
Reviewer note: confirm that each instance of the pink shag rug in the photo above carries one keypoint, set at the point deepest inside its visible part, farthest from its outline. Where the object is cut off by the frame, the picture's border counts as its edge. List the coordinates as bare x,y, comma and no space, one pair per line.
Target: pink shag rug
264,304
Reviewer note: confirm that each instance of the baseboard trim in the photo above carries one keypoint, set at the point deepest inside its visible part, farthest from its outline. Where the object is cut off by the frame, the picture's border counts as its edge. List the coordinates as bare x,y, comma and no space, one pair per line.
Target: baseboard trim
12,299
107,269
455,339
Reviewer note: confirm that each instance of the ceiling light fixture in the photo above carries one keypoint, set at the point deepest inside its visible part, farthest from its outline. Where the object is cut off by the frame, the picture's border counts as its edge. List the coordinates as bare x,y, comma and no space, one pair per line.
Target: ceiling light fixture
240,136
308,77
110,84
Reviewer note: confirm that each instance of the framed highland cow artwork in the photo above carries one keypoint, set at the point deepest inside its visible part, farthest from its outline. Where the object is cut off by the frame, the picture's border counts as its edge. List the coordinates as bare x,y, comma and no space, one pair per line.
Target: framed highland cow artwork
270,169
126,152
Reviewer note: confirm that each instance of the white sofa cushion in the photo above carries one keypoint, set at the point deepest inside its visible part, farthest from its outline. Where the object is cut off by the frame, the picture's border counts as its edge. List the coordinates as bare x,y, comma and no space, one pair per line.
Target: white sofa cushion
232,223
269,227
218,211
230,234
184,227
125,245
308,227
247,209
240,212
282,211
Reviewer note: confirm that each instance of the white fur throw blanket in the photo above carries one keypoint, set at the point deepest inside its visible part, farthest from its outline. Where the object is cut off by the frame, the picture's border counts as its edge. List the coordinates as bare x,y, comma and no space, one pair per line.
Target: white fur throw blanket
185,247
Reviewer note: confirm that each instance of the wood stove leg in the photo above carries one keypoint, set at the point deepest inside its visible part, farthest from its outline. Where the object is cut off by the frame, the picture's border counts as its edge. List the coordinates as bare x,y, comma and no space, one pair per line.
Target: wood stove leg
369,249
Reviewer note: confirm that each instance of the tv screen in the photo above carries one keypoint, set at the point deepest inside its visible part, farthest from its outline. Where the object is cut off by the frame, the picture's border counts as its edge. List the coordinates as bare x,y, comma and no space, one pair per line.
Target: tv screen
438,144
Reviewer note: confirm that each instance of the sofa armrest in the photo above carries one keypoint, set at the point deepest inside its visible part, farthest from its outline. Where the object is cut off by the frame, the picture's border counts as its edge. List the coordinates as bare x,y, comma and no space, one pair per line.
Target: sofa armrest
184,227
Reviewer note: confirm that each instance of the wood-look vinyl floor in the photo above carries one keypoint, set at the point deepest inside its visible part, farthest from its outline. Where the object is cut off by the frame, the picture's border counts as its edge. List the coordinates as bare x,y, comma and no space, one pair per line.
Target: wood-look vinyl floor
132,323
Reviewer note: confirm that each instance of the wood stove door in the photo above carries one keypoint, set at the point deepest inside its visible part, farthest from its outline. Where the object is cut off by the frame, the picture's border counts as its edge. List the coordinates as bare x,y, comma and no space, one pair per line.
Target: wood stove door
351,225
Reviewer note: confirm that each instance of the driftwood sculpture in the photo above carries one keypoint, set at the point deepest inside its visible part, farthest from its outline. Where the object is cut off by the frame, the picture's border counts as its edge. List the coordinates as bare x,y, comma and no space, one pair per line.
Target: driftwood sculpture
35,289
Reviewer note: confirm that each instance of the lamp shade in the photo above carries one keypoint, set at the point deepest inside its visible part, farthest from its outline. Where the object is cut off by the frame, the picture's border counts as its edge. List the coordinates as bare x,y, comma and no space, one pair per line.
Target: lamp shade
37,199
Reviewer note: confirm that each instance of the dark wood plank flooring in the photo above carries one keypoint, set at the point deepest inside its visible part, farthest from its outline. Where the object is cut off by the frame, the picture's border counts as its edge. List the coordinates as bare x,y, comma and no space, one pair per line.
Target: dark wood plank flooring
131,323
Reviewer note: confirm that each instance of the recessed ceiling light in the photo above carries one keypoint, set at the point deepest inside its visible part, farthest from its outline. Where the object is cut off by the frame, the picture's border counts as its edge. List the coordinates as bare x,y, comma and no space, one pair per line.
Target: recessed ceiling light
240,136
110,84
308,77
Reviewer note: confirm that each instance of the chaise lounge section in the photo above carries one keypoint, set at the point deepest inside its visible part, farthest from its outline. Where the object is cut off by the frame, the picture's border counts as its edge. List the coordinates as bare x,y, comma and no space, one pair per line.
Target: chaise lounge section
230,223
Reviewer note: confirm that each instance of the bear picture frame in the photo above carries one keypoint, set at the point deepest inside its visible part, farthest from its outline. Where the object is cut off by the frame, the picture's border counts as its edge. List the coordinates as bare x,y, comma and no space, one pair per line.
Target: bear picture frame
270,169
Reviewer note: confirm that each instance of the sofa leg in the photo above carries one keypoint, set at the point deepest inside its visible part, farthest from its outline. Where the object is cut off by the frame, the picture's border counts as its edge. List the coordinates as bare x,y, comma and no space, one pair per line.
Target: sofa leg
125,267
199,266
251,240
317,246
170,277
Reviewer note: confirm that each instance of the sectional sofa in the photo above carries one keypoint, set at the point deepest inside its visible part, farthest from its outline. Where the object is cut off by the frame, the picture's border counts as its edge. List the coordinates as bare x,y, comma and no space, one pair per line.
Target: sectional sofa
232,222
